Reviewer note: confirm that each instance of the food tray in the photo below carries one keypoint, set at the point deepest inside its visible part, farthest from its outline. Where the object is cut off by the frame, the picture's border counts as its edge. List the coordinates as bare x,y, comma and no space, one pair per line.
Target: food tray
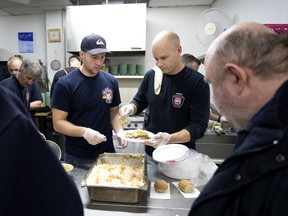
117,194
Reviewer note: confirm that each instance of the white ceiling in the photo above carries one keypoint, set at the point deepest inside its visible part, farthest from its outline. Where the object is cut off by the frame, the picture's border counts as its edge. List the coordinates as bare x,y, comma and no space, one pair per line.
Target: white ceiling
24,7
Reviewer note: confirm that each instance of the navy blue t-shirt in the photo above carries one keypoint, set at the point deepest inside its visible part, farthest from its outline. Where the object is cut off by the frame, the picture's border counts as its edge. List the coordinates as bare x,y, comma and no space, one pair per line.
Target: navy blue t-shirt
88,101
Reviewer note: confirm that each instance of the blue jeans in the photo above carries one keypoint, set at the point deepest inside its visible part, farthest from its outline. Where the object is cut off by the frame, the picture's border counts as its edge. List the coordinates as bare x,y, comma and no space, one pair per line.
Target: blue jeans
79,162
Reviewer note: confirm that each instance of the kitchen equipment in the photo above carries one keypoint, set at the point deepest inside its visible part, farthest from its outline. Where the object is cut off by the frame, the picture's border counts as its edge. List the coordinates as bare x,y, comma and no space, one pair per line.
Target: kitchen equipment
55,148
171,160
117,193
210,24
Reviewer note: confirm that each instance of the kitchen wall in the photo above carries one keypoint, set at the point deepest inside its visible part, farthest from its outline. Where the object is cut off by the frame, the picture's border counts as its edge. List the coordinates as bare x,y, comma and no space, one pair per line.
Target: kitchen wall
11,25
179,19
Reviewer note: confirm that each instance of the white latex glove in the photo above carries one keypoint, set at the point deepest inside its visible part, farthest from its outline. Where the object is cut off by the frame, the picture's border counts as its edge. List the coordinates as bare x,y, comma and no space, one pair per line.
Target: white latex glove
94,137
223,119
126,110
121,143
159,139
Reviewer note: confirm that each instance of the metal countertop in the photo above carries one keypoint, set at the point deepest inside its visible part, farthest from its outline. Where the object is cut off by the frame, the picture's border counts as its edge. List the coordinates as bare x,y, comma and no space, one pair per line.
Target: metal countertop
177,205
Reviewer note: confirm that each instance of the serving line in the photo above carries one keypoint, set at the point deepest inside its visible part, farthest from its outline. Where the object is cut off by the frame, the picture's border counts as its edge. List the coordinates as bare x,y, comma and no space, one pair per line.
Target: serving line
177,205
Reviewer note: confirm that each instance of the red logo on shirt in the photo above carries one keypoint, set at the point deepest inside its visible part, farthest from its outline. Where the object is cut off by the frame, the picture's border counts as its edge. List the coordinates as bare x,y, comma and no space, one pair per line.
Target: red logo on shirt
178,100
107,95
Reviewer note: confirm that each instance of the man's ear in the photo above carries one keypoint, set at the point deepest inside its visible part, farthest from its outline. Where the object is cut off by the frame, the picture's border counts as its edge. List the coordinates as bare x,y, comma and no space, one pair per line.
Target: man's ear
237,76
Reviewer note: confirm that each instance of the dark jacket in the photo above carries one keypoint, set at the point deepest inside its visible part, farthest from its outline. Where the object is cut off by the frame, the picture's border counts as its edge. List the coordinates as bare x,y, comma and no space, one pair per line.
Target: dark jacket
32,182
254,179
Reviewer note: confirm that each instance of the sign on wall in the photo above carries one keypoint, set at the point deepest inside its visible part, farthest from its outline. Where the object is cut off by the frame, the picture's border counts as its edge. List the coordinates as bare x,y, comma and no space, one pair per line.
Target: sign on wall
25,42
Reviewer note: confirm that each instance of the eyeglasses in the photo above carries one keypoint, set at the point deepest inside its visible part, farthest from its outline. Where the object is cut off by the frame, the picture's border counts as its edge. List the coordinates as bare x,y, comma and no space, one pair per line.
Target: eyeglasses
14,70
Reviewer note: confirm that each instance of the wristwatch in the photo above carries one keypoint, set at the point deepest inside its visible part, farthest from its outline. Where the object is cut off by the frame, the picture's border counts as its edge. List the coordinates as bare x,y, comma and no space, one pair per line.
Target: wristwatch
219,119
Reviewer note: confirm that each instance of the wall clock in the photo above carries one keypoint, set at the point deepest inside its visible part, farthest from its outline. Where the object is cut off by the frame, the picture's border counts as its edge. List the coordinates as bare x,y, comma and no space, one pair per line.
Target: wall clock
55,64
54,35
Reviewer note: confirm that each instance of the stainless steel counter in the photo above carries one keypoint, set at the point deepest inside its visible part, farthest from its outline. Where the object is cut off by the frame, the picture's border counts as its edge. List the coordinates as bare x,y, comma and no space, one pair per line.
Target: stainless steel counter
217,147
177,205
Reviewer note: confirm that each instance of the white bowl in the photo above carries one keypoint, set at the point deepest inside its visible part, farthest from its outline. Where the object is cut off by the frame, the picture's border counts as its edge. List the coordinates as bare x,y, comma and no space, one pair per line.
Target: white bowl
67,167
172,161
170,153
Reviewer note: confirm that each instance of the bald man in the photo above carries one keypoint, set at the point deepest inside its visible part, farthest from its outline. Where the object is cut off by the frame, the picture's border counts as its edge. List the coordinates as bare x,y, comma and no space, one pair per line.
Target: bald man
247,67
177,96
13,65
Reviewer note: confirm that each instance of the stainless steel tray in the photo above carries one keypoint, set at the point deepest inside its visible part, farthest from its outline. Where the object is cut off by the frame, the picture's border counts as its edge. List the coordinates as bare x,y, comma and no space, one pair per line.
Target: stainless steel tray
117,194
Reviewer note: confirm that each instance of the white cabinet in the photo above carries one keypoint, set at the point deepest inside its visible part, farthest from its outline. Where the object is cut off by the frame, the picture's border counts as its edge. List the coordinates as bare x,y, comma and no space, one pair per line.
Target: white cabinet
122,25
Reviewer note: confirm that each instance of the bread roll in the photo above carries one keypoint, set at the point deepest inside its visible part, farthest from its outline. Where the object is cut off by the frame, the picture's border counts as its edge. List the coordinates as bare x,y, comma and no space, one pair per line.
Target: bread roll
160,186
186,186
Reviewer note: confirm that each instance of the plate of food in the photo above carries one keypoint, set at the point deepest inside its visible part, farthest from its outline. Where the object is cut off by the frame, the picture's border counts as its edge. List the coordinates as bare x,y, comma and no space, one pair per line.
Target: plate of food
135,135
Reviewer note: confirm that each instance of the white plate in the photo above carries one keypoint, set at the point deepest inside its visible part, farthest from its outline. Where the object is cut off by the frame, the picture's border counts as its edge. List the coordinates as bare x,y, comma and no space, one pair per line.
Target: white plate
124,132
170,153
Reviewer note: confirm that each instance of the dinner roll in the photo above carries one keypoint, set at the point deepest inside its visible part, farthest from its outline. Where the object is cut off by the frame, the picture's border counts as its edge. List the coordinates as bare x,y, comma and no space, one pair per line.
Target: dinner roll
186,186
160,186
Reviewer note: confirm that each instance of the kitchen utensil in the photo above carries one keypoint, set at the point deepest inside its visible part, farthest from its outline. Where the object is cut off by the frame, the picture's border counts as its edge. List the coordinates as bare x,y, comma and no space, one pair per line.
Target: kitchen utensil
117,193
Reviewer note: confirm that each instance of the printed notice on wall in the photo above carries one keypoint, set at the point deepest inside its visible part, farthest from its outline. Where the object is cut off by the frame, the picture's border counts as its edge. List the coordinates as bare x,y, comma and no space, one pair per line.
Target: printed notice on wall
25,42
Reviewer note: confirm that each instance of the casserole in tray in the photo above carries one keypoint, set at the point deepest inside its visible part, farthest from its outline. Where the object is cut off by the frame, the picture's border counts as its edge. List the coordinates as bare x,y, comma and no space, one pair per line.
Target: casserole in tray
117,177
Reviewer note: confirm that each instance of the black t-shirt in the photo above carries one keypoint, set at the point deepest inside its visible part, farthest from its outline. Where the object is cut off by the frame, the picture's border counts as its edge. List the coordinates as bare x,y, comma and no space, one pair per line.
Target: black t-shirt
183,103
58,75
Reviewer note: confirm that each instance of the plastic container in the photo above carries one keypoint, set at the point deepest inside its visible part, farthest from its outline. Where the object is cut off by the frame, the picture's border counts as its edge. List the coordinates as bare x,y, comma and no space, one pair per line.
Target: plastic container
171,160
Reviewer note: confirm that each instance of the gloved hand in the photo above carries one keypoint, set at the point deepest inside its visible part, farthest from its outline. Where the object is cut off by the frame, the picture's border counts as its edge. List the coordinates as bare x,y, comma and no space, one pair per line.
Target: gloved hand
223,119
159,139
121,143
126,110
94,137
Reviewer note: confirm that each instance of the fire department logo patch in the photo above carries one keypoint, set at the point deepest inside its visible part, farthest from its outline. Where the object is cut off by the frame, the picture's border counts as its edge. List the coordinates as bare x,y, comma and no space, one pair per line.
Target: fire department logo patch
178,100
107,95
